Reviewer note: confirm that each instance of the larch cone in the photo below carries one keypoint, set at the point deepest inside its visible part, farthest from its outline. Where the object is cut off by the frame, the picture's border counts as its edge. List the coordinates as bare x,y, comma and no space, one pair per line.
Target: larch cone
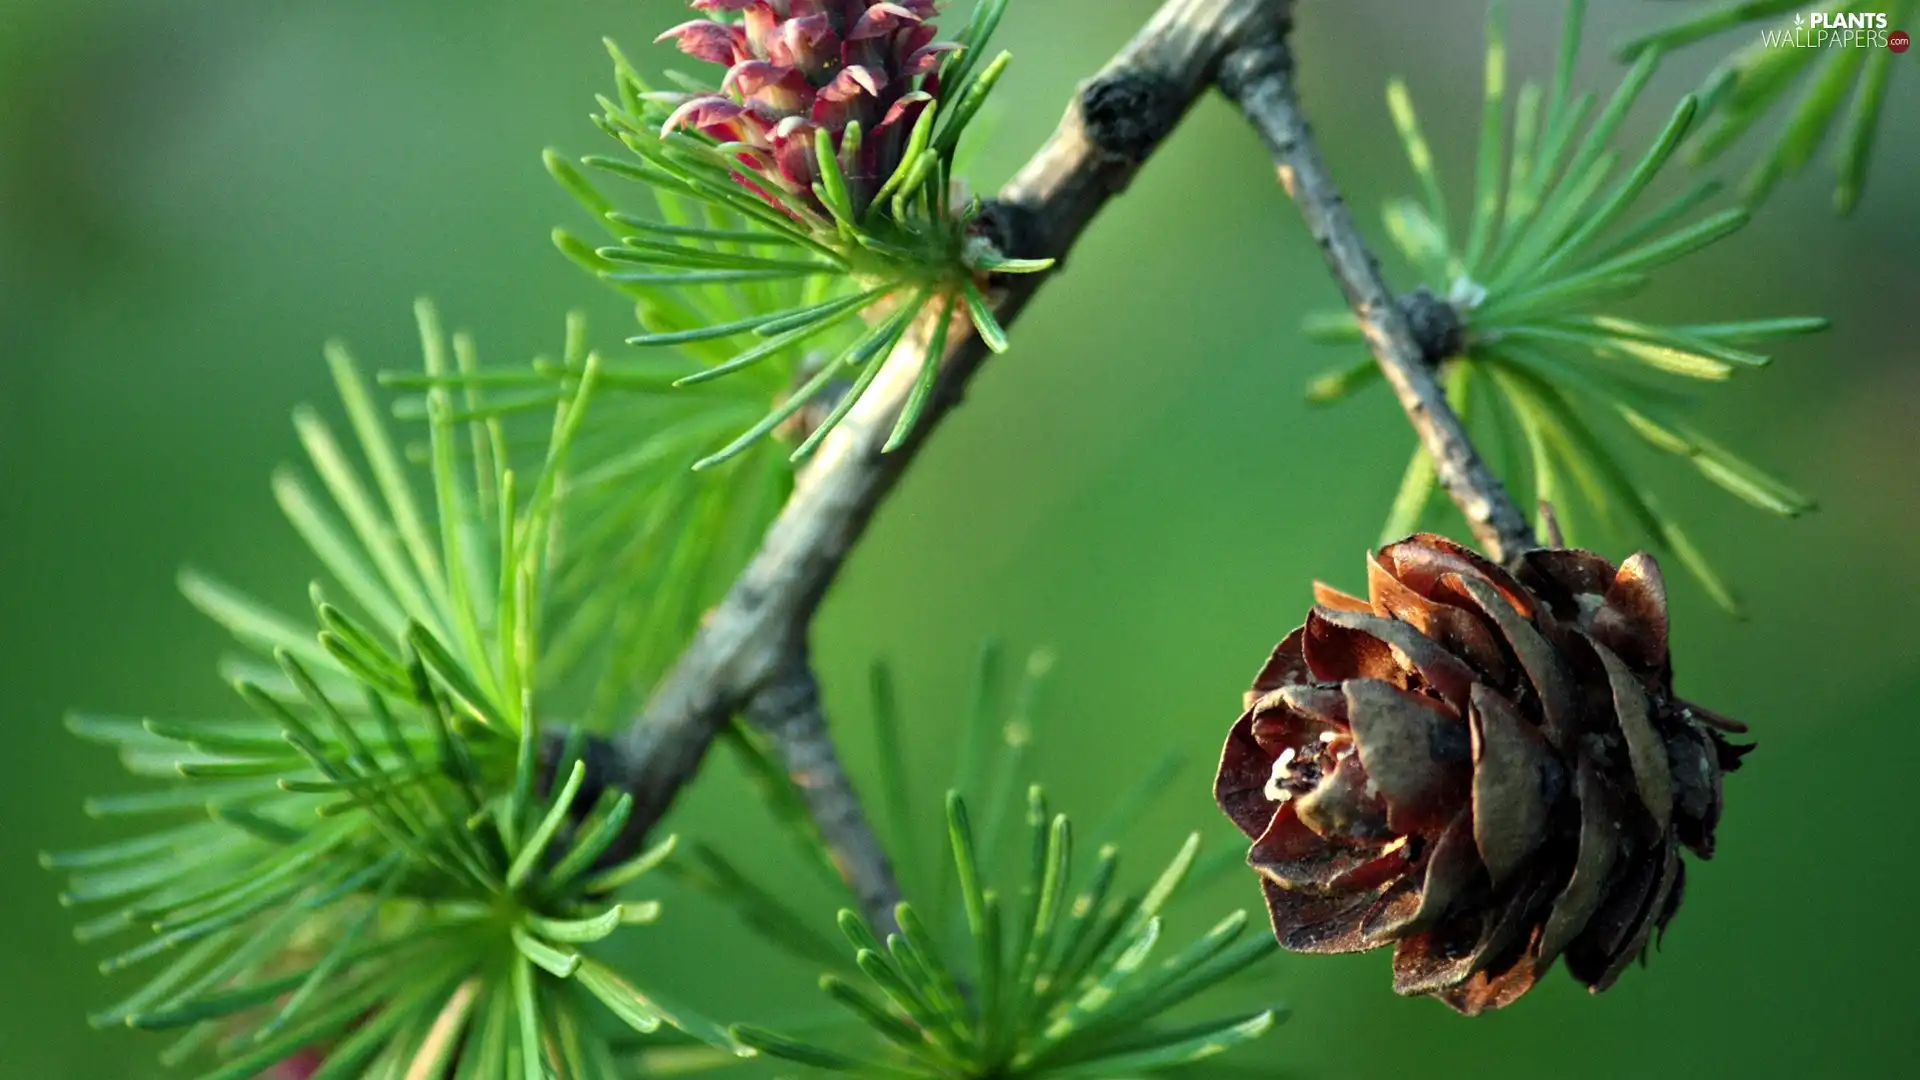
1487,770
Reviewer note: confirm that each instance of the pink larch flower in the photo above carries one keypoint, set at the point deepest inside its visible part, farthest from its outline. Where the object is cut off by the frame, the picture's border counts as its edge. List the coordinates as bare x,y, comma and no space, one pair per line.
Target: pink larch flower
797,67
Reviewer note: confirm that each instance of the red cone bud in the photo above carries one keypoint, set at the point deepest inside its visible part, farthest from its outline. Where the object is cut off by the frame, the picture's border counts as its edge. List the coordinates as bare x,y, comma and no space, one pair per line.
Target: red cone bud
796,66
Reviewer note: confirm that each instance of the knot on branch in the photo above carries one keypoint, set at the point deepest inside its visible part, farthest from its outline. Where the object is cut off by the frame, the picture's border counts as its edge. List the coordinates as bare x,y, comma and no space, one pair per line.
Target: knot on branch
1015,228
1436,325
788,702
1259,61
1127,113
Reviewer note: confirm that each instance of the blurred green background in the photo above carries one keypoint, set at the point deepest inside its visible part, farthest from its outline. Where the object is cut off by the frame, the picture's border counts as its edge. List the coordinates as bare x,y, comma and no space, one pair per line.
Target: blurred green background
194,195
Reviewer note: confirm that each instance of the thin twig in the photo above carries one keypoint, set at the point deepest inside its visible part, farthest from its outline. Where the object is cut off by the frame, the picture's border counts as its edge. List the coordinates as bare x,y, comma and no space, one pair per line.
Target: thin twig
1259,78
788,710
1113,124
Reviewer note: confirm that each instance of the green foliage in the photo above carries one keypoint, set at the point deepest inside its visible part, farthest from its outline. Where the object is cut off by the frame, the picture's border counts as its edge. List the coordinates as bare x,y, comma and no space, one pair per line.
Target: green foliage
1059,986
806,296
1055,977
819,305
370,864
634,521
1762,75
378,867
388,867
1558,236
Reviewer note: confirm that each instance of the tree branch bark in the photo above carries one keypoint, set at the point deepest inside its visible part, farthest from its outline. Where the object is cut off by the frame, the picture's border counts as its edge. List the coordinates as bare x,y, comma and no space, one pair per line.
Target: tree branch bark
745,653
789,711
1259,77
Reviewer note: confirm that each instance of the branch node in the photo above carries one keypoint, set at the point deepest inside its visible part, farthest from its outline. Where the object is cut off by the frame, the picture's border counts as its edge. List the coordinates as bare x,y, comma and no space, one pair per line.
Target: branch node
789,711
1404,336
1017,229
1436,325
1264,57
1128,112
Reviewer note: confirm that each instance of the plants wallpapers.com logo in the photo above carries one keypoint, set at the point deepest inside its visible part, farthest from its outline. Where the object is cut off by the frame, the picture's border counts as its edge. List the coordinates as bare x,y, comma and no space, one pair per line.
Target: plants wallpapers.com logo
1839,30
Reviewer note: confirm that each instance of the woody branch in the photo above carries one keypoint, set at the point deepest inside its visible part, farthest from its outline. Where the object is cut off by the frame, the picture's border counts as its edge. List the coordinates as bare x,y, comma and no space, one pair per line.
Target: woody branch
1259,77
749,656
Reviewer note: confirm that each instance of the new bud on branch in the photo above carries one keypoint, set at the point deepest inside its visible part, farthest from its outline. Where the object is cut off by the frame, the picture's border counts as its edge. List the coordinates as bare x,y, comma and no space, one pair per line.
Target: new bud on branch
1487,770
820,166
860,72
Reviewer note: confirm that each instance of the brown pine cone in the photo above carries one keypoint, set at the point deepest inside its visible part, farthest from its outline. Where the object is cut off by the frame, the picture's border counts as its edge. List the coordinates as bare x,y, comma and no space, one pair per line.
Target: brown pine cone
1487,769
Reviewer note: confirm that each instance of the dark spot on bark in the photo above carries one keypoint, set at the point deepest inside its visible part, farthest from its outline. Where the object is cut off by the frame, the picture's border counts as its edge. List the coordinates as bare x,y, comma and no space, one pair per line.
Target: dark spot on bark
1436,325
1014,228
1129,112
